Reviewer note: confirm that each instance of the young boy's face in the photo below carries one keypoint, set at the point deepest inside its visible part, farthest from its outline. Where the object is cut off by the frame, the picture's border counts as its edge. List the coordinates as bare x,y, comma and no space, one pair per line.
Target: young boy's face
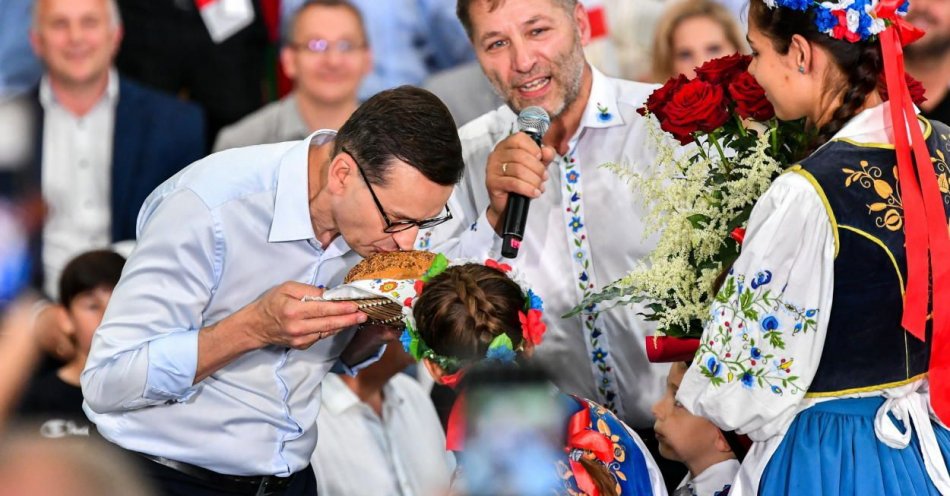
85,313
683,436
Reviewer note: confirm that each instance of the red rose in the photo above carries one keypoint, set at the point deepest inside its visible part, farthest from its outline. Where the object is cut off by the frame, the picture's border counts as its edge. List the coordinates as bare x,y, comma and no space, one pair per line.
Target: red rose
697,106
841,31
724,69
661,97
750,98
917,91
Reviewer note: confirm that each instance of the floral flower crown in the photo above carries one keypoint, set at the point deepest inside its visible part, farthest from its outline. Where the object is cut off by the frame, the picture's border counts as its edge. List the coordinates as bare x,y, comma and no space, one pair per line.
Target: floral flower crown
501,347
851,20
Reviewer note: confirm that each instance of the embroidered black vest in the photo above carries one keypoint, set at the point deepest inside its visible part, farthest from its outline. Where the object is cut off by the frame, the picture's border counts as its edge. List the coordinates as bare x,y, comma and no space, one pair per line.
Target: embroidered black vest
866,348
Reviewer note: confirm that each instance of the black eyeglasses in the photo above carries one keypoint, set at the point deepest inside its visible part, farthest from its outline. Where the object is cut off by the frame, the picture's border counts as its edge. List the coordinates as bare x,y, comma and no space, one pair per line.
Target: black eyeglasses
402,225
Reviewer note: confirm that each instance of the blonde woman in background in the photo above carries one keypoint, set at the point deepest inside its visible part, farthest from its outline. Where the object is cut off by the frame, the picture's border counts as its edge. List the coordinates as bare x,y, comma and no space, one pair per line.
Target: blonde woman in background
690,33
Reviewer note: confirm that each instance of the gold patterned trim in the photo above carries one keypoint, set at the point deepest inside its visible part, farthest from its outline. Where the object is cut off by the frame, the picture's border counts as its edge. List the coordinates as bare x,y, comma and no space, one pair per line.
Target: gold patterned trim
887,250
824,200
928,129
866,389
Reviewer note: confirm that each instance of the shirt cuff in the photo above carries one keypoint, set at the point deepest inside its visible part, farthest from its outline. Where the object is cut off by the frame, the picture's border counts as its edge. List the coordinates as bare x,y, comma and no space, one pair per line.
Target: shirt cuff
351,370
172,362
481,233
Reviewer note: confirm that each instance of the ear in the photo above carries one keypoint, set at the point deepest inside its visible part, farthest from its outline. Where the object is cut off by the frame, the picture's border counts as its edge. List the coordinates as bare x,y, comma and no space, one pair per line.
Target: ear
117,40
287,62
64,321
722,446
338,173
583,23
801,53
370,61
434,369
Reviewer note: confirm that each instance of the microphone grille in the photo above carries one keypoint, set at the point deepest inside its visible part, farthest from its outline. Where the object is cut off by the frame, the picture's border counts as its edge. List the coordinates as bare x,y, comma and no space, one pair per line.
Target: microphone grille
534,119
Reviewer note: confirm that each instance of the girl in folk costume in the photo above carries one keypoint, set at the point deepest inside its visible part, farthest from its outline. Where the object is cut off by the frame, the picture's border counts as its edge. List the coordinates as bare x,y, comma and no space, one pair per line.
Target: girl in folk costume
827,343
461,315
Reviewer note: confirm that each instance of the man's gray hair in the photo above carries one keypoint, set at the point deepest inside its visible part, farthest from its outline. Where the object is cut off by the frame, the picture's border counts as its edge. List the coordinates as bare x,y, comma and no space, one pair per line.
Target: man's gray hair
113,13
463,9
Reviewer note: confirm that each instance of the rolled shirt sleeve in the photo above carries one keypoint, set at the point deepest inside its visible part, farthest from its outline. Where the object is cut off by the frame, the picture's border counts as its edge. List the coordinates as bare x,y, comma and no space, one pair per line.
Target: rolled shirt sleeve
145,352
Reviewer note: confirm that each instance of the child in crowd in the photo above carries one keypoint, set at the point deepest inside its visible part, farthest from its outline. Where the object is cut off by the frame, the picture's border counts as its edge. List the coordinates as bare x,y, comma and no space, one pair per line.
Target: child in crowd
55,399
459,316
696,442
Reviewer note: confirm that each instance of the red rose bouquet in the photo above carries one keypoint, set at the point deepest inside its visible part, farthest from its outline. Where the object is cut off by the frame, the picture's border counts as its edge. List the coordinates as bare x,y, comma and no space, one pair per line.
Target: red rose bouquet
701,190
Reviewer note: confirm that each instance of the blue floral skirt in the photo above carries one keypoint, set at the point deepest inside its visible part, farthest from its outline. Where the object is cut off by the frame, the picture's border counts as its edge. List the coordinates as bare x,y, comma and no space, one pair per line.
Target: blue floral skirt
831,449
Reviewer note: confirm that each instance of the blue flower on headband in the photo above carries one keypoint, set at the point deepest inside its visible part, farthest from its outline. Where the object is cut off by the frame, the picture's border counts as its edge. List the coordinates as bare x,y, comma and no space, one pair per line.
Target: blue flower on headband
795,4
406,340
534,302
501,349
904,7
825,20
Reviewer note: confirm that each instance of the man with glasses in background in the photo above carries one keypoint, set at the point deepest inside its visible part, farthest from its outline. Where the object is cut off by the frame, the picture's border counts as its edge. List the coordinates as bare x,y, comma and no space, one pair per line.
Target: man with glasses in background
208,363
326,55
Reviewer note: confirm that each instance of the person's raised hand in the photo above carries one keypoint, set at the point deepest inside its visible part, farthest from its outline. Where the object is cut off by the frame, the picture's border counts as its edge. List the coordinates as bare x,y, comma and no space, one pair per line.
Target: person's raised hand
516,165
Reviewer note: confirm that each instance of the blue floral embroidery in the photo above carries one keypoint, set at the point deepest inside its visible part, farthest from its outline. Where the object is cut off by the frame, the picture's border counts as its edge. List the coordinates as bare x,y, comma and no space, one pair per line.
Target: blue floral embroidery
599,351
604,114
731,351
599,355
576,223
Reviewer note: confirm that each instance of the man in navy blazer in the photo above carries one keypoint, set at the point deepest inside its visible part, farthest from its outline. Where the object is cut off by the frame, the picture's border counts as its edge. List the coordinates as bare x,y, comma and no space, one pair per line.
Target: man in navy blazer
103,143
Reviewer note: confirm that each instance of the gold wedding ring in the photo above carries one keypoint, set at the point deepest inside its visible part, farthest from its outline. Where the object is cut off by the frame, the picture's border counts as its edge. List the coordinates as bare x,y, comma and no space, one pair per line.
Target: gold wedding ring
504,169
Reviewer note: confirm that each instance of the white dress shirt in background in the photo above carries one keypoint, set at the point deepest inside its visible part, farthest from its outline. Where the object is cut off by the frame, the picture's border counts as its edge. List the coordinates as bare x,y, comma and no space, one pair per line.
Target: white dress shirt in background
76,179
716,480
401,454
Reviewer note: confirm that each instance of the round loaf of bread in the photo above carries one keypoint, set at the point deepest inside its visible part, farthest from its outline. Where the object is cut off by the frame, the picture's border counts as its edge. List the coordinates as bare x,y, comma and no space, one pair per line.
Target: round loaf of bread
396,265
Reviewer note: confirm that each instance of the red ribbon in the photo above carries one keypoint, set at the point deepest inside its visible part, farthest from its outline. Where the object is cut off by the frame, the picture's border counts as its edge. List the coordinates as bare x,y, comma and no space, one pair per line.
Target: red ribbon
580,436
925,220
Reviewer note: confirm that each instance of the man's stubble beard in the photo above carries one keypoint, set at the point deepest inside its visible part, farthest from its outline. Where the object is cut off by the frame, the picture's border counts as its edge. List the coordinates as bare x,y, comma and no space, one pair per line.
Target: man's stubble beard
571,83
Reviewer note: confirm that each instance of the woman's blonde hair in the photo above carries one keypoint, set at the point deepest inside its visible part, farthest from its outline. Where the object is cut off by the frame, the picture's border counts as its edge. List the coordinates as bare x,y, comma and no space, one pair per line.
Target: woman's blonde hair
674,15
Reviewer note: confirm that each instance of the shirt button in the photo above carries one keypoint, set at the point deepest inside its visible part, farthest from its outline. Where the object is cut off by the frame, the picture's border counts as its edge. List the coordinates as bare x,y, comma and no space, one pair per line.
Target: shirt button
87,204
83,164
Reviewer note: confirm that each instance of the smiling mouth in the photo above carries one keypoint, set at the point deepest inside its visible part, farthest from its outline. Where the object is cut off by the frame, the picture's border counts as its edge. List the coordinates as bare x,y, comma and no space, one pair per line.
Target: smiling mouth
534,85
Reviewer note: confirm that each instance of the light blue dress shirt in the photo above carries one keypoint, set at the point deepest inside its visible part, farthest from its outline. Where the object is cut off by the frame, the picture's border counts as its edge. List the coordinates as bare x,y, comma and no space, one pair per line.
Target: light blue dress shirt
212,239
410,39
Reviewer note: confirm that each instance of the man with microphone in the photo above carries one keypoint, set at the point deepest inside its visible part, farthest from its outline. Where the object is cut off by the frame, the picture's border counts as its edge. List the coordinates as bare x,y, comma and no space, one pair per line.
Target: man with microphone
584,228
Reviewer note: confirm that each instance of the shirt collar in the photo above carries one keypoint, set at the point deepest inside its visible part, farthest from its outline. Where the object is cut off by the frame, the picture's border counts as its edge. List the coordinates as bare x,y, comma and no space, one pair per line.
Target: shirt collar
714,479
292,205
337,397
111,96
602,108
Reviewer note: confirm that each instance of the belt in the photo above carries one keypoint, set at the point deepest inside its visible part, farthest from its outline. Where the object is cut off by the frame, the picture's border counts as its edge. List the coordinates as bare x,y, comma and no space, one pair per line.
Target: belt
259,485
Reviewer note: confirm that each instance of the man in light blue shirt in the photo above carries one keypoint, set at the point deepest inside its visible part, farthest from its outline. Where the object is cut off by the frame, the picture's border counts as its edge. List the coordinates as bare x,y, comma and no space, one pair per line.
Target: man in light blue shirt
207,361
411,40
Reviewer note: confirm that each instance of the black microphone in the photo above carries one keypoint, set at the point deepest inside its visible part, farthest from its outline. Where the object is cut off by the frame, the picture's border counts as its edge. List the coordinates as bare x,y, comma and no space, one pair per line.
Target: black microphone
533,121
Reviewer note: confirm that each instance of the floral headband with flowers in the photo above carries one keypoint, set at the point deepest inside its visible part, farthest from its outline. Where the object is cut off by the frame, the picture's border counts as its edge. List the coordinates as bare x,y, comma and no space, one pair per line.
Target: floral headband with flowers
851,20
405,291
501,347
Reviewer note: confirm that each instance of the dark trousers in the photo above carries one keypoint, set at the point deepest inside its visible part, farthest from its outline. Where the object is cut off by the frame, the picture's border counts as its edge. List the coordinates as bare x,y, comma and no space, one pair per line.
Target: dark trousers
170,482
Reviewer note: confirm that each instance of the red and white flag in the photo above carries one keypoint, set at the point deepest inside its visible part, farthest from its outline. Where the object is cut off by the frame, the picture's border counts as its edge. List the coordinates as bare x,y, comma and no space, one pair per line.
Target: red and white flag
223,18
